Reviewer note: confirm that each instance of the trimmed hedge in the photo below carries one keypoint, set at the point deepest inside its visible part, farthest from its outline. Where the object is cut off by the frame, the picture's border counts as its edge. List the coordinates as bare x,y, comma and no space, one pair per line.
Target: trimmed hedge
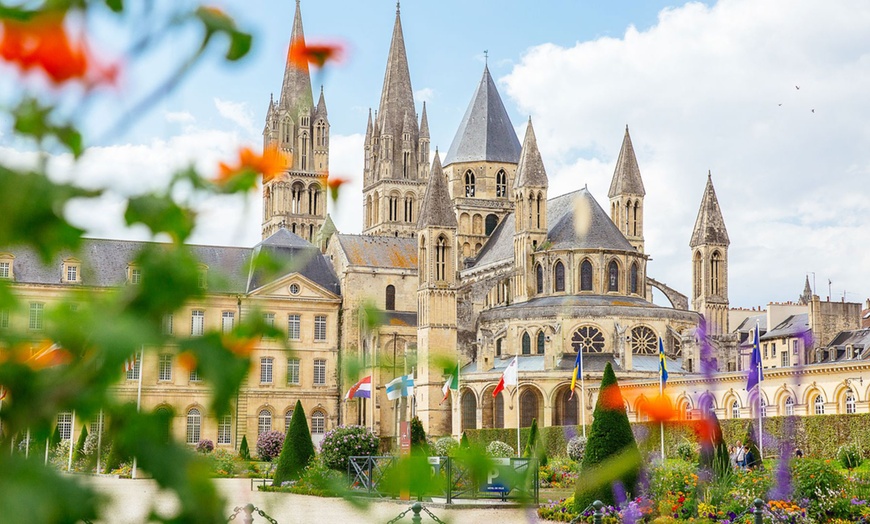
818,436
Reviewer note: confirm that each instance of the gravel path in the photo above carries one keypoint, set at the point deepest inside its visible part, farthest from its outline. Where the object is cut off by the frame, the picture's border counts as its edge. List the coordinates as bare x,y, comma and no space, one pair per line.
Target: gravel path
131,500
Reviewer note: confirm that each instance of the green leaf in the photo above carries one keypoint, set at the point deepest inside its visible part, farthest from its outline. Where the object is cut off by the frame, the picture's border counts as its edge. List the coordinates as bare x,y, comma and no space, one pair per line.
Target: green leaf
162,215
240,45
34,119
115,5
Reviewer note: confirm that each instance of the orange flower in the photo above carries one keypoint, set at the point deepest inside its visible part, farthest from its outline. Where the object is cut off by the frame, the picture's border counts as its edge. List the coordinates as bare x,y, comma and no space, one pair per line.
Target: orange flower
187,360
611,398
48,355
240,346
43,43
658,409
268,164
334,184
301,54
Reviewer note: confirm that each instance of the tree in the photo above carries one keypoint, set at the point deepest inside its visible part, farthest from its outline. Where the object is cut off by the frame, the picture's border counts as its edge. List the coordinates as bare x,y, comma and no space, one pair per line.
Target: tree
244,450
298,449
534,446
611,452
79,450
751,440
55,438
418,437
463,442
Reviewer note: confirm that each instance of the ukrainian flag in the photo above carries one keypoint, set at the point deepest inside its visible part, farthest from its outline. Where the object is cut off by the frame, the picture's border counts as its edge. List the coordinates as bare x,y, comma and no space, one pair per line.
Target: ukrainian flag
576,372
663,363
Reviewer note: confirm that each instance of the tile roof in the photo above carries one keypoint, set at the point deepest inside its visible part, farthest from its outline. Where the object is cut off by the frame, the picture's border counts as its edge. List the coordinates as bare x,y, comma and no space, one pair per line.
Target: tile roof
379,251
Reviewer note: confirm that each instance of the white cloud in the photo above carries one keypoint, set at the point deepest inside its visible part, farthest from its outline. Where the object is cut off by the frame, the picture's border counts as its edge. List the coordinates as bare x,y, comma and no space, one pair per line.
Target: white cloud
424,95
702,90
238,113
180,117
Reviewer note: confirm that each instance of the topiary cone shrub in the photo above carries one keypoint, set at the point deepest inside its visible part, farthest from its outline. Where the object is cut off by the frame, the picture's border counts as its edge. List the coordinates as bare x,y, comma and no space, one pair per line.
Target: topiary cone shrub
78,451
244,450
298,449
419,446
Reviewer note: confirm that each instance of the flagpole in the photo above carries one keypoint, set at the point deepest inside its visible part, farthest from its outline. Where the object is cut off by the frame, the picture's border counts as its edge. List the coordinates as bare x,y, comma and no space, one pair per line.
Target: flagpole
99,440
758,378
456,400
582,394
661,422
72,428
138,400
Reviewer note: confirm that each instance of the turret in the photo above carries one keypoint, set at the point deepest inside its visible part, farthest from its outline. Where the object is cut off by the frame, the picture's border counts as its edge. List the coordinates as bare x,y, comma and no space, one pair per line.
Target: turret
709,245
626,195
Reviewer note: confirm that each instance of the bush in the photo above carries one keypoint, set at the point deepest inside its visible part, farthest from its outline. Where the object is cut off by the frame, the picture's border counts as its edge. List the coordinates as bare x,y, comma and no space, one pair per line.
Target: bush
244,451
498,449
849,456
223,463
205,446
343,442
269,445
78,451
687,451
577,448
445,446
534,447
299,449
419,446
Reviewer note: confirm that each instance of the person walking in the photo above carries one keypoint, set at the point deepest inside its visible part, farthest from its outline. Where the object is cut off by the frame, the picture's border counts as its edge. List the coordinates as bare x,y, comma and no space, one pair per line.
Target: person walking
748,457
732,455
740,458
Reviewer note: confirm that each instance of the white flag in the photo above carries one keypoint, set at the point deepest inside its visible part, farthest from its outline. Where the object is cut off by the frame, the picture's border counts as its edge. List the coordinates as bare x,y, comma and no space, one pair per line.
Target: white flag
402,386
510,373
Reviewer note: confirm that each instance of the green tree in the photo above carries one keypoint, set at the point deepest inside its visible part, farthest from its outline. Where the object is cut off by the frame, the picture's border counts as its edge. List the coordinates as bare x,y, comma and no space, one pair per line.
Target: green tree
418,437
751,440
463,442
611,452
244,450
55,437
534,445
298,449
79,450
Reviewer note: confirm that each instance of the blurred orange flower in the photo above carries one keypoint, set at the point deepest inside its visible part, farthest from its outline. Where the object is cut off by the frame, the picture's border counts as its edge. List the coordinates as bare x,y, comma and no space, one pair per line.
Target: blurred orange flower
48,355
611,398
334,184
301,54
240,346
658,409
268,164
187,360
43,43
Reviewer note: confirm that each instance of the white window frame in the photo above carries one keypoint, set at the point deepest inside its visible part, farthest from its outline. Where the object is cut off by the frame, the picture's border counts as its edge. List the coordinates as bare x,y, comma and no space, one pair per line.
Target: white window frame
72,272
228,321
319,371
194,375
851,403
819,405
133,374
135,276
266,368
318,422
735,409
64,425
164,368
197,322
4,319
264,421
293,371
784,358
789,406
294,325
194,426
6,269
288,416
320,328
37,316
225,430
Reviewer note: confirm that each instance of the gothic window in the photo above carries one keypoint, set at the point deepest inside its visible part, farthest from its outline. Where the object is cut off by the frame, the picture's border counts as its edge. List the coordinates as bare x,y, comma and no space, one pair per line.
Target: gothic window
424,262
528,407
566,411
634,218
715,267
498,411
819,404
696,270
613,276
296,198
320,134
409,209
194,425
500,184
559,276
498,347
632,278
644,341
527,344
393,207
539,212
491,223
441,259
406,164
468,404
390,298
469,183
304,152
264,421
540,342
586,276
539,278
627,217
588,339
285,128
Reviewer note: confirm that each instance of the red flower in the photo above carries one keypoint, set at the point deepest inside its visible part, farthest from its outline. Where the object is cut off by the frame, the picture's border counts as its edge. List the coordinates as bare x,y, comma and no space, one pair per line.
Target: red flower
268,164
658,409
334,185
301,54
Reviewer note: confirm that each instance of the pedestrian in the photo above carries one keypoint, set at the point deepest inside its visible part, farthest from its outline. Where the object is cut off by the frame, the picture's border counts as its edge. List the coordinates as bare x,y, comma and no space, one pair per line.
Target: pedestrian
732,455
740,458
798,453
748,457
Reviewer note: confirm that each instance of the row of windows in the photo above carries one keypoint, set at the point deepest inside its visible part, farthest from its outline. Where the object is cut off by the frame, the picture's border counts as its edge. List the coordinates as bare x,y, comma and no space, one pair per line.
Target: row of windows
194,428
500,184
850,405
264,421
267,366
586,273
589,339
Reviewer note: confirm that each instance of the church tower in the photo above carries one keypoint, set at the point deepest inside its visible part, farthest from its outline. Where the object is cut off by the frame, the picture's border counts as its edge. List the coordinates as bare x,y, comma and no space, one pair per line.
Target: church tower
626,195
396,151
710,263
299,130
530,208
481,166
436,300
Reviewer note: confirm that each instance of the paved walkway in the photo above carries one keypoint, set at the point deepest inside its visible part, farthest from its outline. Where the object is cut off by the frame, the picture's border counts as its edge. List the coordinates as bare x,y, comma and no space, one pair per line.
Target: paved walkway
131,500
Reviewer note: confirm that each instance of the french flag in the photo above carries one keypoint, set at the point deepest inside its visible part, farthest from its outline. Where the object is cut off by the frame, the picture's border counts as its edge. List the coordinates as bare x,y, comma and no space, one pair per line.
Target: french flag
362,389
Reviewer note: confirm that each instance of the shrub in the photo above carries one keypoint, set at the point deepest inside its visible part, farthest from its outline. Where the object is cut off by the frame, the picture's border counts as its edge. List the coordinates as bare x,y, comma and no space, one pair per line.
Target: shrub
534,447
78,451
687,451
445,446
419,445
463,441
299,449
244,451
223,463
497,448
205,446
269,445
849,456
343,442
577,448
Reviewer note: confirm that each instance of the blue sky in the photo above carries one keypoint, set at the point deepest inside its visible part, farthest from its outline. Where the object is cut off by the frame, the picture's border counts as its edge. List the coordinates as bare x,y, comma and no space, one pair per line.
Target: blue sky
703,86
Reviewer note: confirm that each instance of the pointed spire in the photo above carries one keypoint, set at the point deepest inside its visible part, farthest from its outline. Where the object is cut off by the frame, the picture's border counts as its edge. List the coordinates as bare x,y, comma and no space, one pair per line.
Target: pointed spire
397,97
709,226
321,105
807,295
406,124
424,123
530,169
437,208
368,141
486,132
626,175
296,90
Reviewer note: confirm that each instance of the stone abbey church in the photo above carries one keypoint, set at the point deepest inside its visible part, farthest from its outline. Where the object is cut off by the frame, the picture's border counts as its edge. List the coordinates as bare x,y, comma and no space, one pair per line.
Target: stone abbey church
470,260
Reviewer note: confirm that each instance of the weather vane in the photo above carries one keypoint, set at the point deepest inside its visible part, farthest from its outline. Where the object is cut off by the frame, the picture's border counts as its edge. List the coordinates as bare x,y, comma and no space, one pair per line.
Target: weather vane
486,56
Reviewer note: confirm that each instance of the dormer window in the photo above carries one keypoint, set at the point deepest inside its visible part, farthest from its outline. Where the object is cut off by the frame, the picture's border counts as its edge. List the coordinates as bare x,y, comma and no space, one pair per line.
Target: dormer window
134,275
6,266
71,272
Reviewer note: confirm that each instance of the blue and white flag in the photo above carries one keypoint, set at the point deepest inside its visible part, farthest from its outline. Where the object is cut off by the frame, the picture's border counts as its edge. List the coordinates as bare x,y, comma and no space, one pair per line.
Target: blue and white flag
402,386
755,373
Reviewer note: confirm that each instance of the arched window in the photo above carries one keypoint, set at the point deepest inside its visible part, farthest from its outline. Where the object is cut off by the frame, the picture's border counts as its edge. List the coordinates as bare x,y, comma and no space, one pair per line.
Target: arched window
528,407
469,183
194,424
318,423
489,224
632,278
441,259
498,347
613,276
586,276
390,299
735,409
696,273
715,267
789,406
850,403
288,416
406,164
687,409
409,209
264,421
819,404
304,150
539,212
540,344
500,184
468,404
527,344
559,276
566,411
539,278
634,218
498,411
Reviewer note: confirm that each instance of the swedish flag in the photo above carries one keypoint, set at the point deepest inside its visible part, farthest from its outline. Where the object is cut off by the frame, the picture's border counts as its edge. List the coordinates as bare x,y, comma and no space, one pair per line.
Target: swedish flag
663,363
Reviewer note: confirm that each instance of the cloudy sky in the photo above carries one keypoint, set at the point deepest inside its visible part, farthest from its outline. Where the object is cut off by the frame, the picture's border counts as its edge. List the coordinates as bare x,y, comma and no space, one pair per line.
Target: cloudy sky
769,96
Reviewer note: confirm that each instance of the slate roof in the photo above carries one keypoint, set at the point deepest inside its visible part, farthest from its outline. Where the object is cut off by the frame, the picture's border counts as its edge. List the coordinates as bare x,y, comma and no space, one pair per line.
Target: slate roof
859,339
574,220
379,251
437,208
530,170
626,174
709,226
792,326
293,255
485,133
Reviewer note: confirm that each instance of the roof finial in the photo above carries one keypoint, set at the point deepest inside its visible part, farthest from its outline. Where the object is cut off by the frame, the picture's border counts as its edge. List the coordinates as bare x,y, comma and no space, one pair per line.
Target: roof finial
398,7
486,57
709,174
297,3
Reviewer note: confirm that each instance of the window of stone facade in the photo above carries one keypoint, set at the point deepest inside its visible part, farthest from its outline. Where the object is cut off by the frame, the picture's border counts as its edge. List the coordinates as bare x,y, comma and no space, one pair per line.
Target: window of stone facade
441,259
644,341
632,279
390,298
784,357
37,314
527,344
64,425
4,319
264,421
194,375
318,423
266,370
194,425
539,279
586,276
498,411
613,276
319,372
498,347
6,269
167,324
588,339
225,430
500,184
164,369
320,328
468,405
559,277
540,343
528,407
197,322
490,224
133,372
735,409
469,183
228,319
293,371
789,406
851,407
819,404
293,325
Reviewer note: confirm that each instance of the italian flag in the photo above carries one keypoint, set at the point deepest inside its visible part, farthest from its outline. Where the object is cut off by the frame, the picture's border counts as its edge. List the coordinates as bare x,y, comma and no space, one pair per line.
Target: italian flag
452,382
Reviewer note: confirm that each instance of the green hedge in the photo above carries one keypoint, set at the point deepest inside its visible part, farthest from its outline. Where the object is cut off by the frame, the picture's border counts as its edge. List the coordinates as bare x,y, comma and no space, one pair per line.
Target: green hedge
817,436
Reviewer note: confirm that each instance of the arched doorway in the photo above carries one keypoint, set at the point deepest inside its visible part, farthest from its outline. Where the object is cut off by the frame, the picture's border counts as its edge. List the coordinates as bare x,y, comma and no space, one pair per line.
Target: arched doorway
566,408
531,406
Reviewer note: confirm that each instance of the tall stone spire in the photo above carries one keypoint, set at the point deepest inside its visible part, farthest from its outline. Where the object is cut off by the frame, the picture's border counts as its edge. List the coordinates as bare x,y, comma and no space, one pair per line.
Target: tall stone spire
424,123
626,175
807,296
626,195
530,170
397,96
709,226
436,209
296,90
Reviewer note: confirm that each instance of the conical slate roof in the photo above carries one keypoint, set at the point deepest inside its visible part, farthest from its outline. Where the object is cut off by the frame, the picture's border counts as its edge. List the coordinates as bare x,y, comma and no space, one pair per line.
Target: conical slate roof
424,123
626,175
530,169
397,97
485,133
709,226
321,105
296,90
436,209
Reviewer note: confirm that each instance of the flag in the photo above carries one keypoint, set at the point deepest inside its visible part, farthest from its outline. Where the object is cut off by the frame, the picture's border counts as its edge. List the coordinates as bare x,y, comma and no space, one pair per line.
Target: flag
49,355
402,386
576,373
130,364
508,378
754,365
452,382
663,363
362,389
